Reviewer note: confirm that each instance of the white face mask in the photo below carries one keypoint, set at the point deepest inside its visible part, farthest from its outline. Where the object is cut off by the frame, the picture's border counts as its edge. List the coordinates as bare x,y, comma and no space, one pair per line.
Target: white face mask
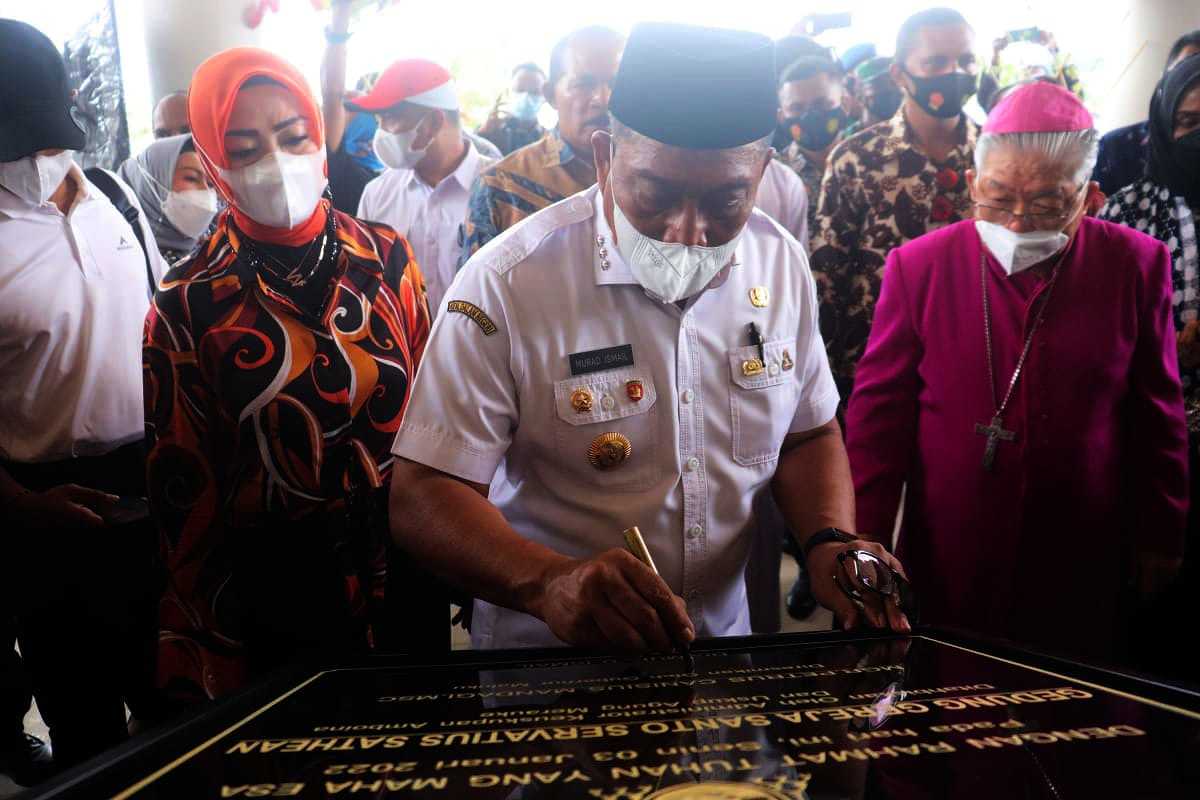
669,271
525,105
35,178
1017,252
190,211
279,191
396,150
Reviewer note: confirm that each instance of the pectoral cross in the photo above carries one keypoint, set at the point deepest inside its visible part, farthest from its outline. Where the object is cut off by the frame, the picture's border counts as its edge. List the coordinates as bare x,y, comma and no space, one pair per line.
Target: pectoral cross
995,433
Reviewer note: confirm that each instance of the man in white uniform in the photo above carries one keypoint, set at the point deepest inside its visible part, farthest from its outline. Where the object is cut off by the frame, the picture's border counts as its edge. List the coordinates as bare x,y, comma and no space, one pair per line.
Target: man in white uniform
74,292
642,353
782,197
431,165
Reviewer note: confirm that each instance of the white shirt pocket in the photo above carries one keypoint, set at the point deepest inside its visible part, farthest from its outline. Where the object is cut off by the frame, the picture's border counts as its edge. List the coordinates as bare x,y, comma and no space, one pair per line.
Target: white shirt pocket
762,399
606,429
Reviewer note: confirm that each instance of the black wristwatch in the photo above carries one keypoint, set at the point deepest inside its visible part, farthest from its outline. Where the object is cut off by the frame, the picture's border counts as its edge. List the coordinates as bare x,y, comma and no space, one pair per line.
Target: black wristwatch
824,537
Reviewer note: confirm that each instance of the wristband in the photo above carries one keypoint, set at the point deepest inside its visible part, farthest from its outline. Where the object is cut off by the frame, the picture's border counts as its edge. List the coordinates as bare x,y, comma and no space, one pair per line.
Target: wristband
824,537
337,38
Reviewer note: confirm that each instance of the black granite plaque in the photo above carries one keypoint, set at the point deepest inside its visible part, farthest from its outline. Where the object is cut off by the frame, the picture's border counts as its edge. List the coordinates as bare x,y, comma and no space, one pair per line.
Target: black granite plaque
899,718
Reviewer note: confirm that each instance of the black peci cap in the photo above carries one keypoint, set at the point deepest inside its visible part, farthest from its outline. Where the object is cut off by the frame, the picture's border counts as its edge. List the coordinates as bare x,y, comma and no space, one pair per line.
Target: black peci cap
700,88
35,97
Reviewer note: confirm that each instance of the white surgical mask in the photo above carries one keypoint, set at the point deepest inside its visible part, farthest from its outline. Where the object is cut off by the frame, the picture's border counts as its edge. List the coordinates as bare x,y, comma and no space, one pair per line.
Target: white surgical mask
396,150
279,191
525,105
669,271
1017,252
190,211
35,178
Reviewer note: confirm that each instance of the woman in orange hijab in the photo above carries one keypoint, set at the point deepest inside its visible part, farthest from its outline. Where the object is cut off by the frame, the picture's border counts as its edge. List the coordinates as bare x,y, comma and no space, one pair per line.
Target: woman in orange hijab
277,361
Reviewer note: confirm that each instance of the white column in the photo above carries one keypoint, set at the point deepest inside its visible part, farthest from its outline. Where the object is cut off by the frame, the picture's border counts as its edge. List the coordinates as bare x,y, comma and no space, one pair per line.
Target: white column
1141,38
180,34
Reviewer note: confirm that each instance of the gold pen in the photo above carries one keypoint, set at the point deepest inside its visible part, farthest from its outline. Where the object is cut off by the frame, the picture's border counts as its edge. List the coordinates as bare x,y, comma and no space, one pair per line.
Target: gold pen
637,545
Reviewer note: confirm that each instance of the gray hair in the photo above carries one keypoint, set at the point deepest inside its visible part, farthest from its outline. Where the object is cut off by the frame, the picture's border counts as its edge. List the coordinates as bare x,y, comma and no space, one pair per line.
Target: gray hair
1076,151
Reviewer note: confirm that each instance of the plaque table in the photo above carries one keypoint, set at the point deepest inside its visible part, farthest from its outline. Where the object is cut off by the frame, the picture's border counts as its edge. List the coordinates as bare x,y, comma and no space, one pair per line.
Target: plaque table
838,715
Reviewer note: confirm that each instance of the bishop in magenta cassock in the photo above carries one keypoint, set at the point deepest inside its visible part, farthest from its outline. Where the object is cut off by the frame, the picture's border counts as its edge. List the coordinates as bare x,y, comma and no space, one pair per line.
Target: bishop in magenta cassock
1037,517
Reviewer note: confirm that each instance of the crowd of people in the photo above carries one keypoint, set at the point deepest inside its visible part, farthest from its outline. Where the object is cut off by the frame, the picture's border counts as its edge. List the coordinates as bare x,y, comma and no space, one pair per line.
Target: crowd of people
313,366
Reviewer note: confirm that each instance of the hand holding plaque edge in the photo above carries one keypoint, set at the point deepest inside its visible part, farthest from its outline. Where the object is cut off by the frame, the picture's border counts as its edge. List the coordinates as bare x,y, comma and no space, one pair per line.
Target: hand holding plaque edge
877,612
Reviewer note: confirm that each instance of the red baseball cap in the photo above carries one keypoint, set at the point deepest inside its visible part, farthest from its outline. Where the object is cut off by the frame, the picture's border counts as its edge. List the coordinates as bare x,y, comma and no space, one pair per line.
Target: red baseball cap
412,80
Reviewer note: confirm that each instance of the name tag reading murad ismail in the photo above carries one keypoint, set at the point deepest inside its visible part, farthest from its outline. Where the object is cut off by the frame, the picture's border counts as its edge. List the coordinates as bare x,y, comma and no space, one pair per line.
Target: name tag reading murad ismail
597,360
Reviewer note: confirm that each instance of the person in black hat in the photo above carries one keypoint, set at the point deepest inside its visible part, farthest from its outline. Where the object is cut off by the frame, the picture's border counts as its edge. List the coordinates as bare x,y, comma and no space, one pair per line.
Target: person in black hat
644,353
76,556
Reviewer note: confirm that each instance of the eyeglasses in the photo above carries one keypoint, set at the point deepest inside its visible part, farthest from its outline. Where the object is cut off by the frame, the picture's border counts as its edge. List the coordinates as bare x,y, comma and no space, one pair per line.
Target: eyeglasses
1005,216
1038,219
862,572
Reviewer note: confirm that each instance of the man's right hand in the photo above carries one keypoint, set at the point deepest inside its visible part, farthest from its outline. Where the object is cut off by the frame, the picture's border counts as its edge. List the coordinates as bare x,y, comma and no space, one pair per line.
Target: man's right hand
66,506
874,612
613,602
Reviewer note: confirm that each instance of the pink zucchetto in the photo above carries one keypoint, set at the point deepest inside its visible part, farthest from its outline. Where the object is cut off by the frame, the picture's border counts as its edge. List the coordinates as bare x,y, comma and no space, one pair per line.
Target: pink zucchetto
1039,108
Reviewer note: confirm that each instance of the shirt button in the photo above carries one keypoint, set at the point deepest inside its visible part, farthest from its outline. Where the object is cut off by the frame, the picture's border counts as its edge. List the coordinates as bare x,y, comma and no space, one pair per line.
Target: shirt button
773,369
694,532
687,396
693,464
608,402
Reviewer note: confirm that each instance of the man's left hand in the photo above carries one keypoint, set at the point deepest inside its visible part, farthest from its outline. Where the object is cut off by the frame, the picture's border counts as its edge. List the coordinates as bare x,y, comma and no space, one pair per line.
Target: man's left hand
873,611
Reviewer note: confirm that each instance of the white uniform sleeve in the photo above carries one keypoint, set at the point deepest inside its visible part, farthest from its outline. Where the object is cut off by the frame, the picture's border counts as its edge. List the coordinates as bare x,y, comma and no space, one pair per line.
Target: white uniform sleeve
463,410
782,197
818,393
799,227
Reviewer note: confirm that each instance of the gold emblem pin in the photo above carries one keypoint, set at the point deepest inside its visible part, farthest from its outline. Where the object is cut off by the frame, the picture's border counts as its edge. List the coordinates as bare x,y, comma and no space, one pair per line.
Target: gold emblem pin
581,401
752,367
609,451
760,297
635,390
787,362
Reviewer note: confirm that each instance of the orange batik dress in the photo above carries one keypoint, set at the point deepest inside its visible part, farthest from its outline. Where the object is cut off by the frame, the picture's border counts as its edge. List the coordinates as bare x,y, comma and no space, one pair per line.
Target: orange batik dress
270,415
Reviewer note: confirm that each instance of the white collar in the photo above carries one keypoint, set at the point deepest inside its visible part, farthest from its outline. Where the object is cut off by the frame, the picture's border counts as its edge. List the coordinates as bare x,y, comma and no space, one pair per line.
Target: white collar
608,263
464,173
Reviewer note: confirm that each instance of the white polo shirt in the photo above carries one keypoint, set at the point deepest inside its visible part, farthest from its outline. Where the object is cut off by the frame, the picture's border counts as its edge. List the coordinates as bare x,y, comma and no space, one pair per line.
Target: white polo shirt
428,216
783,198
73,301
495,401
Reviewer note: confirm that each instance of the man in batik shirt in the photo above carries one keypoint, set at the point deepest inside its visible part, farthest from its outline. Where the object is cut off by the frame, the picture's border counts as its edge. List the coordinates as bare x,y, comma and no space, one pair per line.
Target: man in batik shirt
582,67
895,181
812,114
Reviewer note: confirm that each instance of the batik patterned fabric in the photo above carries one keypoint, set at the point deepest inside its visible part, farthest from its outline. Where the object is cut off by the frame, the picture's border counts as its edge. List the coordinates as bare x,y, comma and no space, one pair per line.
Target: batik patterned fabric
878,192
261,415
1148,207
526,181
